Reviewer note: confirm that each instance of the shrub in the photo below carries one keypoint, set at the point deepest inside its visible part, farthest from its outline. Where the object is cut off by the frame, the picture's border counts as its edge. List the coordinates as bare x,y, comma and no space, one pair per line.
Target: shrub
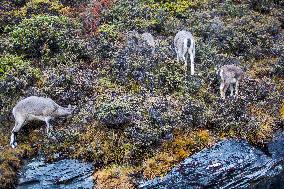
130,15
169,77
36,7
93,13
177,7
194,115
42,35
73,3
250,37
263,6
16,10
104,146
19,2
16,74
6,15
278,67
110,30
137,66
11,65
116,112
183,144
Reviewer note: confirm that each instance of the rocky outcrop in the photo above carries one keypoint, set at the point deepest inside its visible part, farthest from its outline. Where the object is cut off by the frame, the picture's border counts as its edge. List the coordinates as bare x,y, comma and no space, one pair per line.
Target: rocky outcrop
229,164
61,174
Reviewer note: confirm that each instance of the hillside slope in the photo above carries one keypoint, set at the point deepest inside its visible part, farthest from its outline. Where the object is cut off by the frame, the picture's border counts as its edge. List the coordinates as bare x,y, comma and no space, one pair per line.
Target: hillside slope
137,113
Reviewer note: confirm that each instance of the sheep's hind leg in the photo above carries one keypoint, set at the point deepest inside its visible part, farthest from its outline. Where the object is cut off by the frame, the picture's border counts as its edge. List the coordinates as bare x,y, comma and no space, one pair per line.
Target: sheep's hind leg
191,63
185,62
231,89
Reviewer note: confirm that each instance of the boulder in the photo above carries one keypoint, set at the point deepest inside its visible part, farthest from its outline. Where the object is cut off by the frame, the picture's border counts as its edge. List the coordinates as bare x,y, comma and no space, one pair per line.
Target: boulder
229,164
61,174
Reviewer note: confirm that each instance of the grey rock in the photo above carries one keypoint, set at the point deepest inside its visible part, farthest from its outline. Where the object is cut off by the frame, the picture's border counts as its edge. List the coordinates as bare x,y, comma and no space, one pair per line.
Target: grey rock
62,174
229,164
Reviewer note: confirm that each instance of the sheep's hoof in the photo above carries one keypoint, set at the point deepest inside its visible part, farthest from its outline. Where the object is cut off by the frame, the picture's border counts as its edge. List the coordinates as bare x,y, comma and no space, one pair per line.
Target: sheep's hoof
14,145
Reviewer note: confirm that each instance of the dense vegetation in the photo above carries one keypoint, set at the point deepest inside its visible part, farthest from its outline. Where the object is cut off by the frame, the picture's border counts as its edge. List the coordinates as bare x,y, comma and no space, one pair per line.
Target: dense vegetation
137,113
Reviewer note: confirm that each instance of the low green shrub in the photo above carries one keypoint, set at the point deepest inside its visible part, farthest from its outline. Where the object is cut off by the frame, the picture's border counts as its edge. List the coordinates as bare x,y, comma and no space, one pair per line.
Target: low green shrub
14,11
11,65
16,75
177,7
42,35
116,112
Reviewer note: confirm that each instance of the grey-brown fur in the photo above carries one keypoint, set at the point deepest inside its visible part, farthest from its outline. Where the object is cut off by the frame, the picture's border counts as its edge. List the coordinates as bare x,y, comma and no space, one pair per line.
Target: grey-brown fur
135,39
149,40
36,108
185,45
230,75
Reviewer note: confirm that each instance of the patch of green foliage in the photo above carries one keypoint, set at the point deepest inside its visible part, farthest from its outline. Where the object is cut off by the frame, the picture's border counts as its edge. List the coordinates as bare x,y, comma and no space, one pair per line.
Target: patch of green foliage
110,30
169,77
35,7
15,65
41,35
177,7
15,11
115,112
129,15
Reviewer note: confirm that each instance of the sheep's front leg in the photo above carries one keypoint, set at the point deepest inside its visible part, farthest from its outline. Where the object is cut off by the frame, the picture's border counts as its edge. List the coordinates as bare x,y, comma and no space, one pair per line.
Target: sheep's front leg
237,89
223,88
177,54
48,126
13,142
18,125
153,50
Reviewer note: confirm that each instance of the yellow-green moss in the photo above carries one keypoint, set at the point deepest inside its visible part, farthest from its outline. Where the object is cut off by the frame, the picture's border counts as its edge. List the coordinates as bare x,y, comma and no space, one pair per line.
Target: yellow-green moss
14,65
104,145
53,5
175,7
173,152
114,177
11,160
266,125
260,68
111,30
282,111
